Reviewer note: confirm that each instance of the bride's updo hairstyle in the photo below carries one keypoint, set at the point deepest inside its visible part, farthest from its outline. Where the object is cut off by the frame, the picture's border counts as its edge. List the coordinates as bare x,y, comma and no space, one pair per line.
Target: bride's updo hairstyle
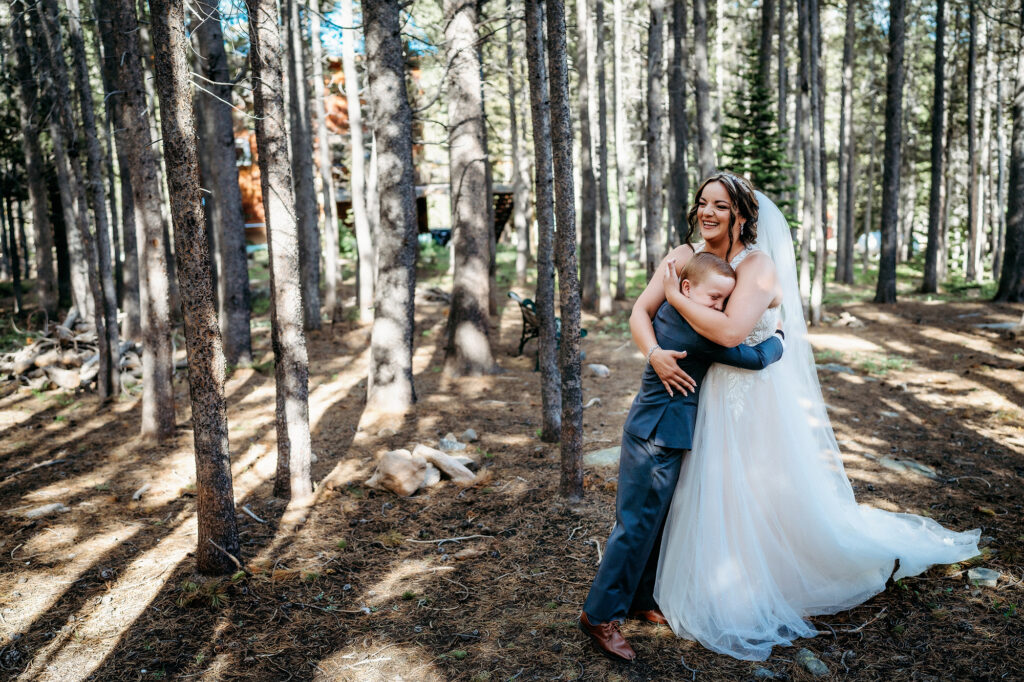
744,206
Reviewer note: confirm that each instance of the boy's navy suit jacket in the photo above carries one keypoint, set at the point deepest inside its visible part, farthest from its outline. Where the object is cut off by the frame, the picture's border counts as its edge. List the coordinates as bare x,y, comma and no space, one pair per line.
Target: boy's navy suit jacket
667,420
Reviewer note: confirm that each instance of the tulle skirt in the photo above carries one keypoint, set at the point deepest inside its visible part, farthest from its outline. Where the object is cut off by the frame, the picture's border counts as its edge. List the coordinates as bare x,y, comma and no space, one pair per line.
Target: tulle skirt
764,530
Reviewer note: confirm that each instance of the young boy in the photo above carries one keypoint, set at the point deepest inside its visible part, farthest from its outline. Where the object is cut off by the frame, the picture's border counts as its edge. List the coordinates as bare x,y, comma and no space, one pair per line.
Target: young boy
657,435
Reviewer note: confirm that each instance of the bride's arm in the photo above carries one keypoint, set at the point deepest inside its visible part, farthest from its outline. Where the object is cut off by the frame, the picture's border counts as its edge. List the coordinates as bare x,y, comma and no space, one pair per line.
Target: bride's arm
664,362
754,292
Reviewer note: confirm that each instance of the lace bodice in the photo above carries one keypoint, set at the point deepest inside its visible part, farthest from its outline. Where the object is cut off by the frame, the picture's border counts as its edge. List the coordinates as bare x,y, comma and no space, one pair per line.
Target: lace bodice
765,326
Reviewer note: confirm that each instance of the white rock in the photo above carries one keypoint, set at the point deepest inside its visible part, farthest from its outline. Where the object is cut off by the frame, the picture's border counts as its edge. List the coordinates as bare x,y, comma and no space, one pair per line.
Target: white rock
469,436
446,463
609,457
983,577
400,472
835,367
431,476
466,461
45,510
601,371
450,443
811,663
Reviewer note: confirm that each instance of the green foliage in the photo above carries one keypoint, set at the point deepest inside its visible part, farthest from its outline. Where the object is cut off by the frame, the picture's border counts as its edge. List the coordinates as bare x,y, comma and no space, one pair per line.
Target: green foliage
753,145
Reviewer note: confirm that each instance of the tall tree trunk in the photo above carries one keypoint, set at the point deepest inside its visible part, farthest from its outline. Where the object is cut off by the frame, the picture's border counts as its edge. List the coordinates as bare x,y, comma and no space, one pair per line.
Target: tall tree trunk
623,163
973,200
985,215
1000,227
300,123
144,171
104,291
679,186
390,385
895,71
845,207
58,221
468,346
808,136
655,119
818,148
930,282
332,272
62,98
604,207
224,197
588,181
46,280
291,364
540,114
11,240
520,186
218,533
571,483
365,274
764,51
783,72
130,302
1011,278
706,161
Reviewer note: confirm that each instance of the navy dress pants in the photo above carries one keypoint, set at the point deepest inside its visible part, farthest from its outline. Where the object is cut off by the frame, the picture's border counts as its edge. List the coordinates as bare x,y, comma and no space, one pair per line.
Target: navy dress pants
625,578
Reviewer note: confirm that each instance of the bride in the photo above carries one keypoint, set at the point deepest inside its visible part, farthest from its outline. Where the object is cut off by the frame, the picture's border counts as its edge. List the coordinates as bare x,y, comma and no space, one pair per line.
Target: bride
764,530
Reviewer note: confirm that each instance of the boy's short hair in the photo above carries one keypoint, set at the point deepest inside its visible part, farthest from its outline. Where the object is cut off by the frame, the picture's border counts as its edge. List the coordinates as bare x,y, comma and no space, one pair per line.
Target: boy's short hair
702,264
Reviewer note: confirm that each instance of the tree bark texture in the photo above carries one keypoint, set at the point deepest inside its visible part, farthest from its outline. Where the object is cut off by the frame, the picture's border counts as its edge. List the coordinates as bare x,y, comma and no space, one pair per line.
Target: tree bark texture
930,284
845,207
764,47
818,149
364,240
807,137
1000,199
604,306
46,279
291,364
540,112
300,123
468,345
1011,278
144,171
520,178
224,197
895,72
678,183
332,272
571,482
973,200
623,167
706,158
588,180
214,492
655,144
109,378
390,385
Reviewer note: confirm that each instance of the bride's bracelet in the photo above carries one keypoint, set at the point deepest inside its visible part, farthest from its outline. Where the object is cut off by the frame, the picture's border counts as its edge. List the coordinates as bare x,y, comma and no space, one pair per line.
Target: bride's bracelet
651,351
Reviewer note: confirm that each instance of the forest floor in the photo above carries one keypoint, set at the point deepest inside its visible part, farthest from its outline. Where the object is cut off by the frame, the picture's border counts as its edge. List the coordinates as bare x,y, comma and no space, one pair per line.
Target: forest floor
367,588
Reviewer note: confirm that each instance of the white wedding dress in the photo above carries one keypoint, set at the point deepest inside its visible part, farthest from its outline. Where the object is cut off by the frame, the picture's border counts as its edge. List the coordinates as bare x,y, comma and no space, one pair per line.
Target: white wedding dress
764,530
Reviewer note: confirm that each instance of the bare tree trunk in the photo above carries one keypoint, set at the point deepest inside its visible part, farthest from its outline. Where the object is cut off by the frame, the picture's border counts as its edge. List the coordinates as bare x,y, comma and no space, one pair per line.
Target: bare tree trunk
818,154
540,111
895,71
808,135
1011,278
973,200
571,484
623,161
468,347
224,197
58,219
366,273
679,186
144,171
588,181
332,273
520,186
706,161
291,364
845,207
104,291
764,52
218,534
299,120
930,282
984,216
130,302
1000,227
604,207
11,243
655,116
783,72
46,280
390,385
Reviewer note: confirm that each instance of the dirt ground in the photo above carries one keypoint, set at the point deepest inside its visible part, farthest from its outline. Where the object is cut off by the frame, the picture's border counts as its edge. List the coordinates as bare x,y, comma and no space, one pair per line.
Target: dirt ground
368,588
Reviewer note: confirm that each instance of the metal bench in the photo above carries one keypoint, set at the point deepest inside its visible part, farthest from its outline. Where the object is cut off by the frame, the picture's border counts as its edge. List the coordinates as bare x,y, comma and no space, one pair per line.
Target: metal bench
531,323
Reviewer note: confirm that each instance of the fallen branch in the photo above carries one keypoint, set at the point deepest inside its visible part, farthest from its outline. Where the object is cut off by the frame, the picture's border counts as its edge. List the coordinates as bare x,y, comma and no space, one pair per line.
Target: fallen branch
40,465
138,493
597,543
229,555
248,511
464,537
864,625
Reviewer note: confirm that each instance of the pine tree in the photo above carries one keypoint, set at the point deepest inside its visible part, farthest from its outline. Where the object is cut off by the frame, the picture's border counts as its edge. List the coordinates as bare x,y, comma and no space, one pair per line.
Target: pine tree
753,145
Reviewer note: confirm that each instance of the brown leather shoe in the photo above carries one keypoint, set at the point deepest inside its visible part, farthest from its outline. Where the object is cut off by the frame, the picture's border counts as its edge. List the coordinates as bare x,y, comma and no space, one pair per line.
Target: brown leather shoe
650,615
608,638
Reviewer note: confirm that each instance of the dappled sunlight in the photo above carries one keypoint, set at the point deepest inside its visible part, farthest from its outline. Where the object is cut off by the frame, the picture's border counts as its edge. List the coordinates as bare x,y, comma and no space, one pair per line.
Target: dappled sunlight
406,576
339,387
373,662
50,539
842,343
29,596
972,341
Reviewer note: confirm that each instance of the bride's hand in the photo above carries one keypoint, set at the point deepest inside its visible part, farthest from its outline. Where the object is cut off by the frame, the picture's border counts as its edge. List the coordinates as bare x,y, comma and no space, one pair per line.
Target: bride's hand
665,364
671,282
